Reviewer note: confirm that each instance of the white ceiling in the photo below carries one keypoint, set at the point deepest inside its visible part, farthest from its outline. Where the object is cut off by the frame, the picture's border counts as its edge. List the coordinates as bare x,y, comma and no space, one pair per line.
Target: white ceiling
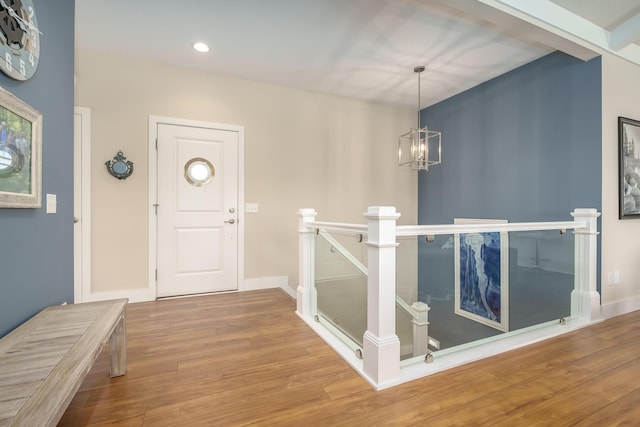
363,49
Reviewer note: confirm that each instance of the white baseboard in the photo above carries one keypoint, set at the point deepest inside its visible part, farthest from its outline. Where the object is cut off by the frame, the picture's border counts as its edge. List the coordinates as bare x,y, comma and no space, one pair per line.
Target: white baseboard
145,294
620,307
134,295
265,283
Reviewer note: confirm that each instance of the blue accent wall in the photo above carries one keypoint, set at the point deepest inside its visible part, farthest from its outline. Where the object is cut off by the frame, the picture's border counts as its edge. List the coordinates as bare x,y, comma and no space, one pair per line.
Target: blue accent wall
36,249
525,146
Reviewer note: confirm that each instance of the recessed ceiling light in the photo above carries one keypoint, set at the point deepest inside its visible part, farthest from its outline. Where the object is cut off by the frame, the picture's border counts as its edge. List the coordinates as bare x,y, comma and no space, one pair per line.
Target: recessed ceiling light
201,47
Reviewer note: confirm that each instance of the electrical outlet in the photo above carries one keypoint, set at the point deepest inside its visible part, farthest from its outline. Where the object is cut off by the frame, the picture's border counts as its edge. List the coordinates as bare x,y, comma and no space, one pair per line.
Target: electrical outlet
614,278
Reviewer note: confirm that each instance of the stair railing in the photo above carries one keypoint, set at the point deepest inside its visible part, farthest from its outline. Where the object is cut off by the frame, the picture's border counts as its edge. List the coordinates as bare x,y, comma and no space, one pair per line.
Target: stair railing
381,346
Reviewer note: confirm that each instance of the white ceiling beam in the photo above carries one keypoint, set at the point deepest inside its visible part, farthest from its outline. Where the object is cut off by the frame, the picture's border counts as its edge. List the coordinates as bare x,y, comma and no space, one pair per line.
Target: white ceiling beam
519,25
626,33
553,18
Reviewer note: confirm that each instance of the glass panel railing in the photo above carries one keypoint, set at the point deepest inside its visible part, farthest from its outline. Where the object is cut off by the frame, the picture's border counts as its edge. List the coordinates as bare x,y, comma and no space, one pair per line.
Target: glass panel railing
541,277
407,295
404,331
437,288
341,289
407,269
475,286
353,244
481,285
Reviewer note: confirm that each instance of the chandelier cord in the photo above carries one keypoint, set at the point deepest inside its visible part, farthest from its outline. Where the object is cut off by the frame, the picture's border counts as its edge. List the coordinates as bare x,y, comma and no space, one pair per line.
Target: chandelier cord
419,69
419,74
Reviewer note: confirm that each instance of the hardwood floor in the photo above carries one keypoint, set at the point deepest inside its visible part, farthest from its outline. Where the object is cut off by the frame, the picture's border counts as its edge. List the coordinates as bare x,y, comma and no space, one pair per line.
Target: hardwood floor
246,359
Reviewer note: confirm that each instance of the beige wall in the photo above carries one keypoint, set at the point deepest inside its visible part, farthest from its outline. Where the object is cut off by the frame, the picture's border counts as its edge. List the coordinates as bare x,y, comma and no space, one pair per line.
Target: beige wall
302,149
620,238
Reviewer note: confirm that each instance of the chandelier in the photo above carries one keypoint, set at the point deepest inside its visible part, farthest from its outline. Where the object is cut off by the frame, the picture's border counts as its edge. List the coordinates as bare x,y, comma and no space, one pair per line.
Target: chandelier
420,147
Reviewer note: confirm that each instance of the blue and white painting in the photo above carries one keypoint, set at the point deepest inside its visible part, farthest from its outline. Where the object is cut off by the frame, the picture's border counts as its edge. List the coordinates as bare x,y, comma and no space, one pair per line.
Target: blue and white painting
481,285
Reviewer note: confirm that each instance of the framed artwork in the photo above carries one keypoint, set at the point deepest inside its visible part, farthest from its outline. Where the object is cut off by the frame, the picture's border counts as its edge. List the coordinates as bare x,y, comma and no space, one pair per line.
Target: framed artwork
482,275
629,167
20,153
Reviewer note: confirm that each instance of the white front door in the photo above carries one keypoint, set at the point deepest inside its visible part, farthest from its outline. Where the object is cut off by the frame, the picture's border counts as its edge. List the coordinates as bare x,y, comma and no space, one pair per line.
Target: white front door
197,212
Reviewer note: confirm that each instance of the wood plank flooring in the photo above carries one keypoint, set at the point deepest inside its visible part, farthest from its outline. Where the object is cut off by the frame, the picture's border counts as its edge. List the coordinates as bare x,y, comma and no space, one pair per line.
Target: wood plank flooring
246,359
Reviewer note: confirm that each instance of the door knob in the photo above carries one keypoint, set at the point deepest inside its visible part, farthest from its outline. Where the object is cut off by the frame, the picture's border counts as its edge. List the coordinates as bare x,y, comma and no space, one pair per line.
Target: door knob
231,221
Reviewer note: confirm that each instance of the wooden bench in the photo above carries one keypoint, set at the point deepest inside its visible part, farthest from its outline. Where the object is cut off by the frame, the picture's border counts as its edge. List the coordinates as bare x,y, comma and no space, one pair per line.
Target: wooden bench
44,361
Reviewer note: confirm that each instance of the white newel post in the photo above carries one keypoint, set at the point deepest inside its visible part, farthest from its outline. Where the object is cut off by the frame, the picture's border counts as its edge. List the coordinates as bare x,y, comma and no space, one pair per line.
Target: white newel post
585,299
381,346
306,262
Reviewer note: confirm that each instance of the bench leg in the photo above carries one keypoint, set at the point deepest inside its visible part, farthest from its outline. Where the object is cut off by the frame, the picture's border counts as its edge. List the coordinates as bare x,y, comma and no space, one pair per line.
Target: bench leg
118,348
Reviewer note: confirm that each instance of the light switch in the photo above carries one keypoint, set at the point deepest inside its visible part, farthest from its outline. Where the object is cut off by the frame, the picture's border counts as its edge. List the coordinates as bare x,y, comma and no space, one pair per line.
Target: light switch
614,278
52,203
251,207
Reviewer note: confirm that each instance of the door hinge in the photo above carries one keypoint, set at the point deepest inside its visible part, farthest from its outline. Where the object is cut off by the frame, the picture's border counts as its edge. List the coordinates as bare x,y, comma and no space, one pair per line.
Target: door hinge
155,205
156,274
156,144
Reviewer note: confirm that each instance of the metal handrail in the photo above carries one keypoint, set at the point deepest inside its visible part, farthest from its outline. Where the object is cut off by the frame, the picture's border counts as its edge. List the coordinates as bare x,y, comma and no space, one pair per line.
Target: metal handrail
421,230
339,226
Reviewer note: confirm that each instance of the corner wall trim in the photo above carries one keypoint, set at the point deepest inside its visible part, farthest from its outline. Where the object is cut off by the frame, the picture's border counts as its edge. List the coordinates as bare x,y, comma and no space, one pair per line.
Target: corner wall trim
291,292
82,203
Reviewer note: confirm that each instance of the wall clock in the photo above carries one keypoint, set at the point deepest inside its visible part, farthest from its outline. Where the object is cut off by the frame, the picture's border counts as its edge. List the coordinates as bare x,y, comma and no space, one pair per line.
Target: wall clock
19,39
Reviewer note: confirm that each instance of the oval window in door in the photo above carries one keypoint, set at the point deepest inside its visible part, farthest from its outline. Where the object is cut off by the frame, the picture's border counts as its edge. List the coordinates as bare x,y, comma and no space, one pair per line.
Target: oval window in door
199,171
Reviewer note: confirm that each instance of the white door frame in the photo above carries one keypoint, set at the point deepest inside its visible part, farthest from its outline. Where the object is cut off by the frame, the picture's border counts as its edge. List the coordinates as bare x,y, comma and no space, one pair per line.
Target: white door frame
154,121
82,206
